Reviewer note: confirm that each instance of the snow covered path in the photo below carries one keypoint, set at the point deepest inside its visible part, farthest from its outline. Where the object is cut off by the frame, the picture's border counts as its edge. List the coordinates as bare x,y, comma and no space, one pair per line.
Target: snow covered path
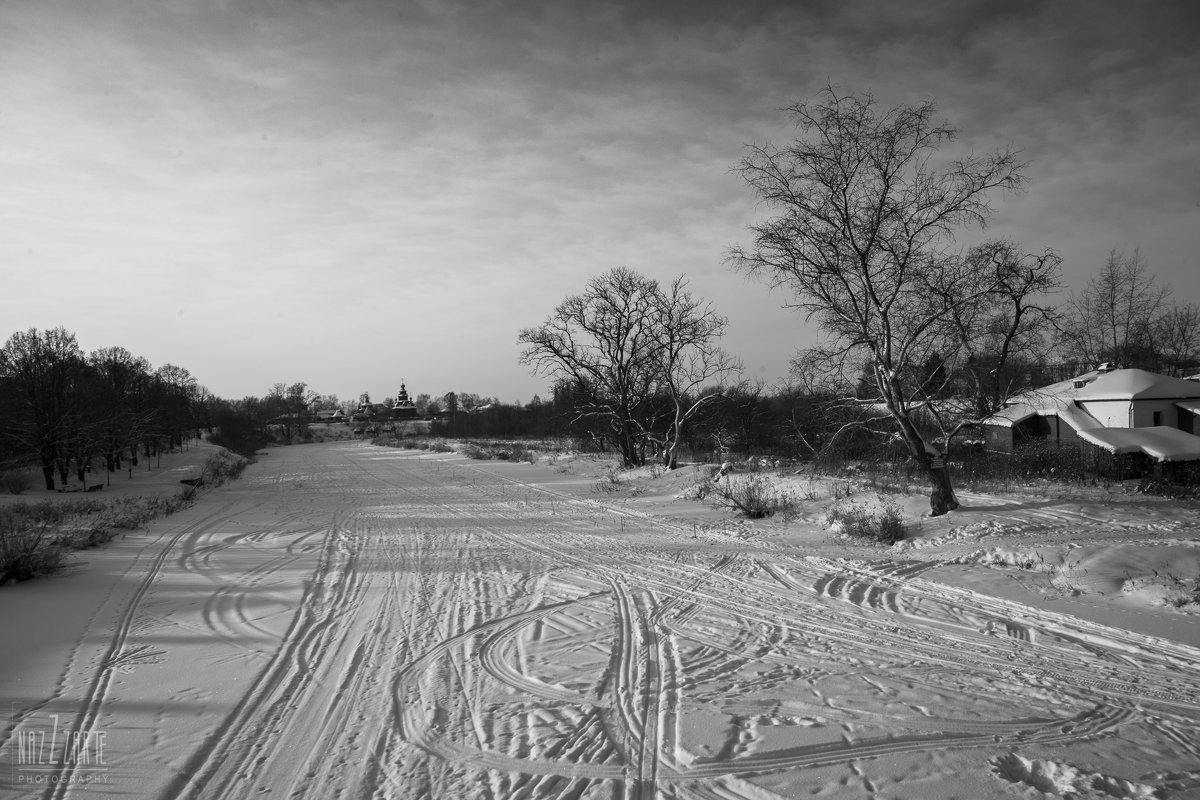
349,621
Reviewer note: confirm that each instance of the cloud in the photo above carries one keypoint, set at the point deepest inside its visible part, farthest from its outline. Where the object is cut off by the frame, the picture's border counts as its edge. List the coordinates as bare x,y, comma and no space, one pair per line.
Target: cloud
427,178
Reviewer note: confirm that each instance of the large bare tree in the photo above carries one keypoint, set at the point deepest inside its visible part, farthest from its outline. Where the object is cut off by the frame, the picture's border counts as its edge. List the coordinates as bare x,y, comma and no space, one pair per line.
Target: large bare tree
861,242
633,355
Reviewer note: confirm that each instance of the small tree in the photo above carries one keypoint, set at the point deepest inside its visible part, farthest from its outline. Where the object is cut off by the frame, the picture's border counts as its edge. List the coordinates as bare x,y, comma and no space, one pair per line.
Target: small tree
624,348
1117,316
687,329
1178,337
997,339
861,241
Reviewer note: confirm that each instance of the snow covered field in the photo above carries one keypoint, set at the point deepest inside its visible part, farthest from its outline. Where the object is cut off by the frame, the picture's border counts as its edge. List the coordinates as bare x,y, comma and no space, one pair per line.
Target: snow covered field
352,621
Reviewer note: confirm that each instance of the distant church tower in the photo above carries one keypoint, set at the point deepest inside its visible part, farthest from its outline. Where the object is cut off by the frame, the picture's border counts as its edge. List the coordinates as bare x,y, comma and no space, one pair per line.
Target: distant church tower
403,408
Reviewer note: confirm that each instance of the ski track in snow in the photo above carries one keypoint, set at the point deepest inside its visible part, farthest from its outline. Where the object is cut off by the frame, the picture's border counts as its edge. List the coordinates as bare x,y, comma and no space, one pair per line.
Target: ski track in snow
462,635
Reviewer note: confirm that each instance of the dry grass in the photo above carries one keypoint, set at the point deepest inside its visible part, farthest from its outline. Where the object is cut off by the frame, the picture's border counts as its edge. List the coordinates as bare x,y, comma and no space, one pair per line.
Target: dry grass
35,538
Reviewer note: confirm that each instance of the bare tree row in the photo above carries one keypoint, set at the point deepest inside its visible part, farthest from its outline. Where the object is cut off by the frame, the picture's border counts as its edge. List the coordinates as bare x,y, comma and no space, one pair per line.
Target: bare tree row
65,410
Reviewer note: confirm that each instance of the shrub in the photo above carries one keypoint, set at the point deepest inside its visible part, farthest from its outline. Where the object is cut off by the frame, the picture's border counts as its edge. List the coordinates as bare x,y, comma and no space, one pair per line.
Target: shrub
30,553
34,537
476,451
523,454
1162,488
757,496
16,481
610,483
503,451
885,526
244,443
219,468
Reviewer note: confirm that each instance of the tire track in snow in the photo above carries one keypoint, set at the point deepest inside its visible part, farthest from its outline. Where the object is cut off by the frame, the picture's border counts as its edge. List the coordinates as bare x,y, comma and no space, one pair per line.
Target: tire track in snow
870,623
93,701
227,755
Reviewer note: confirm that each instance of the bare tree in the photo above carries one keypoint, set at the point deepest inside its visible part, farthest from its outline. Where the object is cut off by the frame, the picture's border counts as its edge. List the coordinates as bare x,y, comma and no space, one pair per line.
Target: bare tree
1115,317
996,340
623,347
175,389
43,369
865,219
687,330
120,378
1177,334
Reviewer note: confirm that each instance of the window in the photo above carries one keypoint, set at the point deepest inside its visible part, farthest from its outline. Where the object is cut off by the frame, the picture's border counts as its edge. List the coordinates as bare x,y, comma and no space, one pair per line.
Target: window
1158,418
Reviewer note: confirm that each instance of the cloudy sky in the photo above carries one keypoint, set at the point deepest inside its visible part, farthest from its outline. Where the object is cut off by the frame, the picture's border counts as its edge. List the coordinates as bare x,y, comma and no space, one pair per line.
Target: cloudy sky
352,193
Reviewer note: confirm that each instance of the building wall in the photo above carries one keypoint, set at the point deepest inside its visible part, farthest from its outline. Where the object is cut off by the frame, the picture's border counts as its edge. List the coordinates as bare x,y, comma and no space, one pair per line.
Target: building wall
1109,413
1144,410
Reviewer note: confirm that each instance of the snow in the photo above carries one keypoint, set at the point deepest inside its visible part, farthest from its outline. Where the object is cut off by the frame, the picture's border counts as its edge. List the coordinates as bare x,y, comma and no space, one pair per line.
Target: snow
1190,405
1137,384
1159,442
351,621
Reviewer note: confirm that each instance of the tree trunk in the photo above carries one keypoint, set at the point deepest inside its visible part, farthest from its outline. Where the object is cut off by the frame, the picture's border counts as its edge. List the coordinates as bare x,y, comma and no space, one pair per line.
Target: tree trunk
942,499
48,474
626,444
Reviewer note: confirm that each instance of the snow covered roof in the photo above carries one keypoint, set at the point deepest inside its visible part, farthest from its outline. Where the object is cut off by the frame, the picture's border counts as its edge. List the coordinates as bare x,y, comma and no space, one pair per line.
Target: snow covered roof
1121,384
1055,400
1137,384
1159,442
1063,400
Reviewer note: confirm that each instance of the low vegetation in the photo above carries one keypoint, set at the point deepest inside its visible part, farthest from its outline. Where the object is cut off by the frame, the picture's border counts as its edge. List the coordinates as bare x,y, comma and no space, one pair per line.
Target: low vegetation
884,526
36,537
757,495
501,451
16,481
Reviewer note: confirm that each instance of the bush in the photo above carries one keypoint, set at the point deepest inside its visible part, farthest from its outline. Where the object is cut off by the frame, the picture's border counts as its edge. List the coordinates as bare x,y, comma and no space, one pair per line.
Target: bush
221,467
885,526
34,537
16,481
1174,490
610,483
1044,460
245,444
27,554
503,451
757,496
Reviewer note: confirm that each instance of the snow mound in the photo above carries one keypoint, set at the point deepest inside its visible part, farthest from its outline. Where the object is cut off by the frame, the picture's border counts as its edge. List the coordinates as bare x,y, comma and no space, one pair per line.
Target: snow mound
1063,780
974,530
1002,557
1162,592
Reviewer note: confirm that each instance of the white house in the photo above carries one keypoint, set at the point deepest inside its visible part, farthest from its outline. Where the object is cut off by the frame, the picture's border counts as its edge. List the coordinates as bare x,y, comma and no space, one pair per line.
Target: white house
1121,411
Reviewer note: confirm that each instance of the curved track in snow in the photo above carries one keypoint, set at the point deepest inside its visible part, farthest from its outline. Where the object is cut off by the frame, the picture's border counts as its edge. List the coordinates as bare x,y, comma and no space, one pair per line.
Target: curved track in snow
357,622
